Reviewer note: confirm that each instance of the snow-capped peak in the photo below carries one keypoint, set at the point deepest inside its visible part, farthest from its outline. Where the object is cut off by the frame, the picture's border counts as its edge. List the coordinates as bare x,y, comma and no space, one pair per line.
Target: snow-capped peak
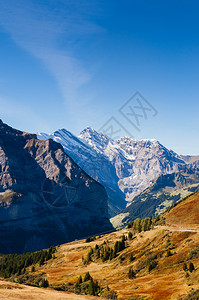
125,167
97,140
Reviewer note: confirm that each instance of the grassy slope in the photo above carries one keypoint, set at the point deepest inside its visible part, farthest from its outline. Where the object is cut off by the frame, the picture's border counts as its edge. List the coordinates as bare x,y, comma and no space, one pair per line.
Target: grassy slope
161,194
166,281
186,213
13,291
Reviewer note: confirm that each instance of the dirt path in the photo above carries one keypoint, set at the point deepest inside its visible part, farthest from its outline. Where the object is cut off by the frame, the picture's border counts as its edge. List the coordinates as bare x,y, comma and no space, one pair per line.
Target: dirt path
172,228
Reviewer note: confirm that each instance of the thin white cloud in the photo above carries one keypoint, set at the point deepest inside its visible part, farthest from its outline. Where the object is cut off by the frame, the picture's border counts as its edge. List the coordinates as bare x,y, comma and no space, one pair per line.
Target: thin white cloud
41,27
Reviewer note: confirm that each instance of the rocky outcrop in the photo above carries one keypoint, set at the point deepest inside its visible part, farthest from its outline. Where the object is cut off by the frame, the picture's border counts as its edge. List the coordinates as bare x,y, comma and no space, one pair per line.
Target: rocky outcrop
125,167
45,197
160,195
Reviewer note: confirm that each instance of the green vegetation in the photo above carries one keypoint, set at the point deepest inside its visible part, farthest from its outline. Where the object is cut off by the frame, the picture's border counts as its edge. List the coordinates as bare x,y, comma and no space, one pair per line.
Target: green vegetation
185,267
194,295
30,279
178,202
131,258
44,283
88,287
193,253
87,277
191,267
168,253
131,273
150,263
169,245
104,251
90,239
12,264
91,287
130,235
146,224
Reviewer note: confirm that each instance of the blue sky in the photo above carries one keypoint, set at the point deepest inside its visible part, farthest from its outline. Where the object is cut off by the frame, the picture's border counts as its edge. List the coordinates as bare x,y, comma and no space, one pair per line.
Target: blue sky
72,64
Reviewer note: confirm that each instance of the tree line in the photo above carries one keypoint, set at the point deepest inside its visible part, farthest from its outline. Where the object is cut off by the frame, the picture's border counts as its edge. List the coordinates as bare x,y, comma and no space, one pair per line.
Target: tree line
89,286
104,251
145,224
12,264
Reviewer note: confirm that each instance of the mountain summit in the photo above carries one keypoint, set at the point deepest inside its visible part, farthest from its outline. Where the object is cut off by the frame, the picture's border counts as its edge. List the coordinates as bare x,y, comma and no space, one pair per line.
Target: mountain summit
125,167
45,197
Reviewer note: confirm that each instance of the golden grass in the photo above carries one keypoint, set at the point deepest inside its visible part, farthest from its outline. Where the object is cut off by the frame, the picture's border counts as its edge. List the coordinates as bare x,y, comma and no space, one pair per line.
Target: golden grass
14,291
166,281
186,213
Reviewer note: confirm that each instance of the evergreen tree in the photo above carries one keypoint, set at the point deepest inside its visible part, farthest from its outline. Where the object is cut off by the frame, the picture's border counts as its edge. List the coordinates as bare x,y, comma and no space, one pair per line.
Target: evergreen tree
185,267
131,258
98,253
41,262
131,273
44,283
191,267
79,281
130,235
33,269
91,288
87,277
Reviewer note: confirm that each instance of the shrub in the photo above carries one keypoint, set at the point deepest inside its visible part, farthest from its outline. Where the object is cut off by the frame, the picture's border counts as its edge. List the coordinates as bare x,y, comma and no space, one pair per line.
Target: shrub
131,273
44,283
93,288
168,253
131,258
33,269
112,295
146,262
193,253
90,239
194,295
79,281
130,235
121,258
191,267
87,277
152,265
185,267
186,274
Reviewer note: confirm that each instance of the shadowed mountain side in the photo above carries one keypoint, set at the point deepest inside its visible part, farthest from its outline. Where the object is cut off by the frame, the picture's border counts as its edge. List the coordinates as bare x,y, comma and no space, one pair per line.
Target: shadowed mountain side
161,194
45,197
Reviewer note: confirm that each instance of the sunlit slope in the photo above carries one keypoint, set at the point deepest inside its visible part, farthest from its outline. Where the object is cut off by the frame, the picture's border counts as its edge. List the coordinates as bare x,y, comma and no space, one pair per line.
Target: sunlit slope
160,258
185,213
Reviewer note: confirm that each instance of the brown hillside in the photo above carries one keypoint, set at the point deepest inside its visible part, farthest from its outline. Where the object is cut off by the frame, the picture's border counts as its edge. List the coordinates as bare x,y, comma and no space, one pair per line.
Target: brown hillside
14,291
185,214
165,248
166,281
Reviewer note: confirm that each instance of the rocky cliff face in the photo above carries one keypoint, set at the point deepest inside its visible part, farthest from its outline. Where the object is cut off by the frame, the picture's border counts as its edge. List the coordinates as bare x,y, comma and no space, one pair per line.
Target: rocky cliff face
161,194
45,198
94,162
125,167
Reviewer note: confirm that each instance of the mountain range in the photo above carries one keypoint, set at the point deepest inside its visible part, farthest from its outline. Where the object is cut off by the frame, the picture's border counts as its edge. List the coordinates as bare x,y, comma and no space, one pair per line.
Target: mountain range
125,167
154,262
55,188
163,192
45,197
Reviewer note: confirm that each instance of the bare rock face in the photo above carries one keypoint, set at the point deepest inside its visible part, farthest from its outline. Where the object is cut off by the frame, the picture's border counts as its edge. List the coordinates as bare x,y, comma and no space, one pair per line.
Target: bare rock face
163,192
125,167
45,198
